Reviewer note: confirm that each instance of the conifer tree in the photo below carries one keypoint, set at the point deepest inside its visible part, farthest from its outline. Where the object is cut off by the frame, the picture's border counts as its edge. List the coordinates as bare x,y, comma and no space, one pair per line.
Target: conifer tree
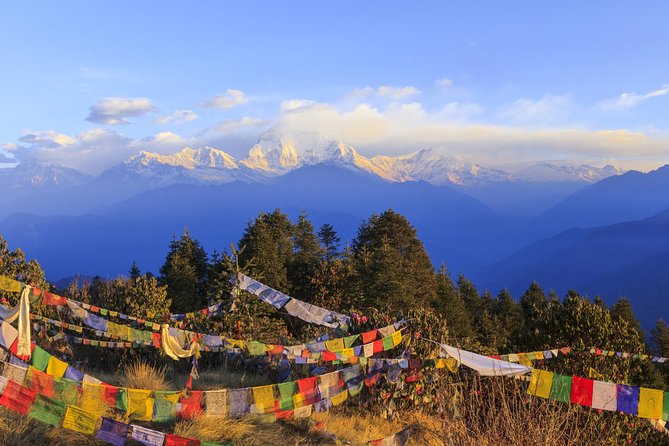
185,274
305,260
451,305
621,310
509,316
268,241
330,241
391,263
134,271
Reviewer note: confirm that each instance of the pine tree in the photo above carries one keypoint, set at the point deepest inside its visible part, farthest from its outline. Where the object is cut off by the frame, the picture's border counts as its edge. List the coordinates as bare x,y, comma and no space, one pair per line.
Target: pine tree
305,260
268,242
185,274
509,316
330,241
134,271
451,305
391,264
622,311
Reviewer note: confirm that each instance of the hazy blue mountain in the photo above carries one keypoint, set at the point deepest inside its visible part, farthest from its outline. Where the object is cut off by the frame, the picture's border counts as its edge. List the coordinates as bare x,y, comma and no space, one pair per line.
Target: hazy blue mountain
630,196
609,257
456,228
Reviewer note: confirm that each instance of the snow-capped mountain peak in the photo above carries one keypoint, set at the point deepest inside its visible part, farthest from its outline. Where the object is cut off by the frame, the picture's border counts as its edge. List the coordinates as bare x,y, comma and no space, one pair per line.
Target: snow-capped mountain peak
554,172
188,158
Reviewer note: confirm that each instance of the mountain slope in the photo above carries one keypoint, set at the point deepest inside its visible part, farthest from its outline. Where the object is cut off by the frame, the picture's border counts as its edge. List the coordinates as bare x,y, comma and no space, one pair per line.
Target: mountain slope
631,196
454,227
585,259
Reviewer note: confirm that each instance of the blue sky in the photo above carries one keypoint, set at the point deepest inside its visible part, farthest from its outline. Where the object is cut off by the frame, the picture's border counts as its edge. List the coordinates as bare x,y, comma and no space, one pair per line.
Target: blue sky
86,84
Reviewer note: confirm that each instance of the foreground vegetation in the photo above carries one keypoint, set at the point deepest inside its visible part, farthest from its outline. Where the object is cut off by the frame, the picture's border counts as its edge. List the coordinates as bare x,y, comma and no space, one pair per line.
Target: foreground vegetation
384,275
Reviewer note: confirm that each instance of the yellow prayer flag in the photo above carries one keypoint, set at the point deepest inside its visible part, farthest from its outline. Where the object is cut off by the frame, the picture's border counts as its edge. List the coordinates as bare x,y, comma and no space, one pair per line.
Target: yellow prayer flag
594,374
339,398
539,355
10,285
397,338
348,352
137,402
650,403
56,367
263,398
298,400
79,420
335,345
144,411
118,330
540,383
523,359
113,313
92,399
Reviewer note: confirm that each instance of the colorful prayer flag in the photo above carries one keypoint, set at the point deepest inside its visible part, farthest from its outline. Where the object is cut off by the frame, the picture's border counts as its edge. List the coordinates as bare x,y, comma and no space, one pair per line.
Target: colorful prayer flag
112,431
47,410
79,420
604,396
540,383
581,391
628,399
650,403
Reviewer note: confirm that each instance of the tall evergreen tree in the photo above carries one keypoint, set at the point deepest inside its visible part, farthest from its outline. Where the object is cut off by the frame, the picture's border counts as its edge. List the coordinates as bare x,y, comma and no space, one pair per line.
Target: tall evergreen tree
621,310
305,260
330,241
509,316
391,263
134,271
268,241
185,274
451,305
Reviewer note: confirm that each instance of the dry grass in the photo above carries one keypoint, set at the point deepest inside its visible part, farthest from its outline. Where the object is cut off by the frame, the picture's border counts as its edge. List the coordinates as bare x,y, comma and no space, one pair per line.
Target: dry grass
476,411
141,375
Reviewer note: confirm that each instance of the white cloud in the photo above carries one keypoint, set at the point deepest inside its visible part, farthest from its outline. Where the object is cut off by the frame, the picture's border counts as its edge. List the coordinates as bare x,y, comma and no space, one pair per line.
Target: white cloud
234,125
292,104
444,82
549,109
231,98
384,91
630,100
178,117
115,110
399,129
47,138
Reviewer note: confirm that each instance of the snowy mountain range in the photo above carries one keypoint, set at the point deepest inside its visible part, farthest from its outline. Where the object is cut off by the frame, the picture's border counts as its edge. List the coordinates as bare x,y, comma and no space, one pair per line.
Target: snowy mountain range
273,156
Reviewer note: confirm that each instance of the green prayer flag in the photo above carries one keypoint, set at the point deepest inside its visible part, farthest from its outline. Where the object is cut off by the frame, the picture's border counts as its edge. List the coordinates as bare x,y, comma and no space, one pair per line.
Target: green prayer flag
349,340
47,410
164,406
104,311
286,392
122,400
387,343
66,391
39,358
665,407
561,388
256,348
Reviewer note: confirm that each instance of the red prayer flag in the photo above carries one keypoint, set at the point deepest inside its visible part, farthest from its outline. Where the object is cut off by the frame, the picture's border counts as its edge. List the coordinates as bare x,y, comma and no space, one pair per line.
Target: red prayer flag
110,394
18,398
369,336
53,299
581,391
378,346
191,404
328,356
156,340
284,414
308,389
276,350
40,382
174,440
370,381
14,346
